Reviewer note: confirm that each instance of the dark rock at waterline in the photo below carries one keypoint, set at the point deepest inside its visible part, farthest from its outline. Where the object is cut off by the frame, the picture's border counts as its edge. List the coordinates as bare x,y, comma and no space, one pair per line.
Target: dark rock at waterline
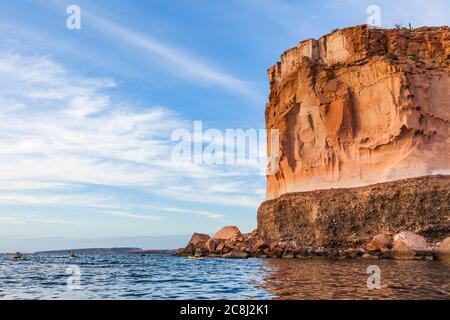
288,254
401,251
235,254
369,256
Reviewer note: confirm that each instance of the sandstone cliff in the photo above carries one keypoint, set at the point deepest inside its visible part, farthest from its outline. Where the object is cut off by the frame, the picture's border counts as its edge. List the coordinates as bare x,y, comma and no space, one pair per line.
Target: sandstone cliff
361,106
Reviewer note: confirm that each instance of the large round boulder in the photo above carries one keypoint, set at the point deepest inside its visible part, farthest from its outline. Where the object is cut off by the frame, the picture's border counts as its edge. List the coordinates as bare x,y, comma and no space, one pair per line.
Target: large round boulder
229,233
443,252
412,241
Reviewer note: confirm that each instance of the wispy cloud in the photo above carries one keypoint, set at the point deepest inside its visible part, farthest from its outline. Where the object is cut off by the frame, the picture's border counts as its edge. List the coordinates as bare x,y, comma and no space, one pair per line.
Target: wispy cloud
54,197
63,137
176,59
201,213
24,220
135,216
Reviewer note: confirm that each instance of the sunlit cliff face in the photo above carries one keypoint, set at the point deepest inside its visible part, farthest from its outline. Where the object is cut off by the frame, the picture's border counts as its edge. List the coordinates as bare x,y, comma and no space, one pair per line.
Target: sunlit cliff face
361,106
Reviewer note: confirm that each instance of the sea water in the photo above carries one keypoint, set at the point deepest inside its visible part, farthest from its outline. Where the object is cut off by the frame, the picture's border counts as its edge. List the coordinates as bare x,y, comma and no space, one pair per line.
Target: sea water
164,276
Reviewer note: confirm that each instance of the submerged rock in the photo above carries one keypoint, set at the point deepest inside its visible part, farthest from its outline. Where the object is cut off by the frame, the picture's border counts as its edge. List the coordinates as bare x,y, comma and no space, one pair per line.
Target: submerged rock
443,252
351,253
288,254
235,254
369,256
401,251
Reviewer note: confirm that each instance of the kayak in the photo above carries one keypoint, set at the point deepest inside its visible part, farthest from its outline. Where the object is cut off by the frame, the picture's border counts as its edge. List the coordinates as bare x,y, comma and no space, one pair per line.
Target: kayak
195,257
19,259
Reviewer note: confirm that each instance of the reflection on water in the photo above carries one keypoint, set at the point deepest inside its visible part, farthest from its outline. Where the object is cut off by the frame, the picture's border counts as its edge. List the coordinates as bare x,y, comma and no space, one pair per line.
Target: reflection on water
347,279
169,277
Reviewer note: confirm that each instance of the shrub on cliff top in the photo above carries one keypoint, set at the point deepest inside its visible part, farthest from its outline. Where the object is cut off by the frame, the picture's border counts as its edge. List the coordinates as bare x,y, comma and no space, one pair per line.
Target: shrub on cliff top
400,27
391,56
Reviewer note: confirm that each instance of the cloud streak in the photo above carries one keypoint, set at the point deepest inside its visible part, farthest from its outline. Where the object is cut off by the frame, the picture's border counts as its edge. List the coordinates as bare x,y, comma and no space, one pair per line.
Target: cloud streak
135,216
23,220
177,60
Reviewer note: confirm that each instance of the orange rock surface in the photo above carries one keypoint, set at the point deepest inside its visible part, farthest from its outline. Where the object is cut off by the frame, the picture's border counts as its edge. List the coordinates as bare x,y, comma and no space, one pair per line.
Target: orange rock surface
360,106
228,233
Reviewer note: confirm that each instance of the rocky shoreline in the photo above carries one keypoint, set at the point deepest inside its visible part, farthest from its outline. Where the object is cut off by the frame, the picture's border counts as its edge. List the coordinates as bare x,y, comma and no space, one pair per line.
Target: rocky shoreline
229,242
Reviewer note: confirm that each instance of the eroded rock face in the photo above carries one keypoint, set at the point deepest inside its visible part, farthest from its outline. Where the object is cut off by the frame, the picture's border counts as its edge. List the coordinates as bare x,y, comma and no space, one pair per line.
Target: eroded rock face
360,106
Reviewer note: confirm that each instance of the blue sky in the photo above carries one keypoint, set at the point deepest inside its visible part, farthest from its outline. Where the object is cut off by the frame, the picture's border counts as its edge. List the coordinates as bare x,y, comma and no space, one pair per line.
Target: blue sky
87,115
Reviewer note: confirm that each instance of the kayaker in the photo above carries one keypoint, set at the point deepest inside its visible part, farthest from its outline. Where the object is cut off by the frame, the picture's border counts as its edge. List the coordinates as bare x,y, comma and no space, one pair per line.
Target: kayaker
17,256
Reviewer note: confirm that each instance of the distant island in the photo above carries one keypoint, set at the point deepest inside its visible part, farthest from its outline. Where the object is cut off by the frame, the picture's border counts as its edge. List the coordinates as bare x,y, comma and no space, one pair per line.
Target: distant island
93,251
155,251
119,250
